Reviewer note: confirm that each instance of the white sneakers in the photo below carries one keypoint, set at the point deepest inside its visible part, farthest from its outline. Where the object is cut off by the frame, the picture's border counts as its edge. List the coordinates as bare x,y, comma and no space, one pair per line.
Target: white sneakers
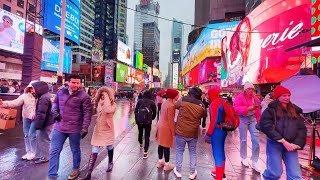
245,162
192,176
28,156
176,172
255,165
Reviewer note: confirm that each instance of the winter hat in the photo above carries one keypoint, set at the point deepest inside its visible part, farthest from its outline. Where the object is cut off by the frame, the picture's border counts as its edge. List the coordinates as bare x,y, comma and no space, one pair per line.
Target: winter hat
214,93
248,85
280,90
171,93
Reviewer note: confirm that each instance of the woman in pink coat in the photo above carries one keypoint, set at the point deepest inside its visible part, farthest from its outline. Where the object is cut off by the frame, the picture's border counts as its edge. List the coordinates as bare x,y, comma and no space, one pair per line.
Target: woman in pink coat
248,108
103,134
166,129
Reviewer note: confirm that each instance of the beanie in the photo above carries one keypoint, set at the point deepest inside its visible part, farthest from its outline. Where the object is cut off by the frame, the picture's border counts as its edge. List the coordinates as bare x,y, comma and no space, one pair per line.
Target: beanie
280,90
171,93
248,85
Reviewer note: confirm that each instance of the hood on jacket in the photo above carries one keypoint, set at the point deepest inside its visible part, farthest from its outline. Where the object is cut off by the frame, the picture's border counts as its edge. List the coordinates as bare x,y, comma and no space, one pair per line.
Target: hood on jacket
195,92
108,90
147,95
274,104
27,89
214,94
40,88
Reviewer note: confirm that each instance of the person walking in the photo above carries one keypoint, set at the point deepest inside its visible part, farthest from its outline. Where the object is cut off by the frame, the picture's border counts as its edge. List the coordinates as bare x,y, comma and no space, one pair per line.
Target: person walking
286,132
191,111
28,102
72,110
159,101
145,112
264,104
44,121
248,108
206,105
103,134
215,134
166,130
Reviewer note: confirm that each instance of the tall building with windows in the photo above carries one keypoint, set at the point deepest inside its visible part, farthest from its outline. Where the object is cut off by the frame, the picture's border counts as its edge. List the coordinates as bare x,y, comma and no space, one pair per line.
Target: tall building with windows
83,50
151,44
146,12
17,7
176,46
122,21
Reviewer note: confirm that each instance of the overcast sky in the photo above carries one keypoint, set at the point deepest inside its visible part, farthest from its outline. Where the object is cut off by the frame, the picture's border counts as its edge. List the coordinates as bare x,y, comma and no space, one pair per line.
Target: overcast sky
182,10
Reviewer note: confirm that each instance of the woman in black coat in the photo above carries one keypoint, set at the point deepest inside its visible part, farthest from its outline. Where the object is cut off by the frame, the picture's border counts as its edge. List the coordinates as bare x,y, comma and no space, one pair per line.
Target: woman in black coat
286,133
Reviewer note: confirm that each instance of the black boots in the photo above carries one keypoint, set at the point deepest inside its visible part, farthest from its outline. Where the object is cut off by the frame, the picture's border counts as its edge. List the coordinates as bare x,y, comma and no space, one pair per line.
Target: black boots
110,165
92,161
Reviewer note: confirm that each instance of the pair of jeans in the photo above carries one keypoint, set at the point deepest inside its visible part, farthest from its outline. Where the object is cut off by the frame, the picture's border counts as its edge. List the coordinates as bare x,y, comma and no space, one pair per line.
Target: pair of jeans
276,152
43,142
147,130
180,146
30,134
58,139
218,139
164,151
249,123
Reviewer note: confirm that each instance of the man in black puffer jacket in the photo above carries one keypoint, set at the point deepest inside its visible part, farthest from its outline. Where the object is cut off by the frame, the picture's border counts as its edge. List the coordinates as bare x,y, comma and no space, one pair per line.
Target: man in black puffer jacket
145,112
44,121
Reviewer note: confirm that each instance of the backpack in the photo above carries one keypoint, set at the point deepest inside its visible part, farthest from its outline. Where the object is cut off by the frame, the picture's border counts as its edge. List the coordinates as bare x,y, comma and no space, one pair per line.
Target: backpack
144,114
231,118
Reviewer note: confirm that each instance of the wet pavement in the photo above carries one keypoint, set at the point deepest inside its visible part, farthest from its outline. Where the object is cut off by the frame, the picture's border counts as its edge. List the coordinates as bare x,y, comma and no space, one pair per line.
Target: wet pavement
128,161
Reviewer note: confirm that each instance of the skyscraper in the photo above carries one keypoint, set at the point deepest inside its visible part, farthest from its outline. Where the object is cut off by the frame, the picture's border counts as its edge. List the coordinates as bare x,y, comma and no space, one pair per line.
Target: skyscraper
176,43
151,44
146,12
83,50
122,21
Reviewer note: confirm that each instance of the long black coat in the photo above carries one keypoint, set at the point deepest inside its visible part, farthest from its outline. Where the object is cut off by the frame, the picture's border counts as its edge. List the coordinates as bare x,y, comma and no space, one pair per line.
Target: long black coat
293,131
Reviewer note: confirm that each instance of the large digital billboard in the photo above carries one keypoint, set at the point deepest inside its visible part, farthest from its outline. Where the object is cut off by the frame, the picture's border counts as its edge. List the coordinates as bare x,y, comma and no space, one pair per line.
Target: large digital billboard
209,71
207,45
255,52
175,75
121,72
124,53
12,29
52,18
108,77
50,57
139,60
139,77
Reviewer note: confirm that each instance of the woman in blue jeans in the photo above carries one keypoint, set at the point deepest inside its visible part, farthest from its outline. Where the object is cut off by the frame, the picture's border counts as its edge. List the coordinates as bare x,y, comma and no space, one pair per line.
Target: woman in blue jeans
28,102
286,134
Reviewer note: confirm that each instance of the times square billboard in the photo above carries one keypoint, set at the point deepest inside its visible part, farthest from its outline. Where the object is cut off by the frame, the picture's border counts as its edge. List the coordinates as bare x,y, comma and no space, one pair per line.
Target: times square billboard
255,50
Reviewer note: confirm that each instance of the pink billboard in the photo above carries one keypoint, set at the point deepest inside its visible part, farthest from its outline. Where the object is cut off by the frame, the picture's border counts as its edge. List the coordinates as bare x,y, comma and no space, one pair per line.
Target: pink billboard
255,51
209,70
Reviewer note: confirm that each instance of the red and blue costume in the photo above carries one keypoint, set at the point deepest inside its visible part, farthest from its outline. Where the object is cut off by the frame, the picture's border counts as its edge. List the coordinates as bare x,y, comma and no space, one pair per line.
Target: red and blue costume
216,133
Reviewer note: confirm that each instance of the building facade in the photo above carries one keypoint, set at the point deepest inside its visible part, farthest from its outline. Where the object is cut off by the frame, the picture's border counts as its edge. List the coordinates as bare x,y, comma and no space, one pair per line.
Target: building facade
142,15
83,51
176,43
122,21
206,10
17,7
151,44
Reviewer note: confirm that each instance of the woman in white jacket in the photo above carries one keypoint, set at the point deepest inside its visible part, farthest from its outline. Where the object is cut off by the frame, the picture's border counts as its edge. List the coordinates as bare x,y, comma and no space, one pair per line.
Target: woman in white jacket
28,103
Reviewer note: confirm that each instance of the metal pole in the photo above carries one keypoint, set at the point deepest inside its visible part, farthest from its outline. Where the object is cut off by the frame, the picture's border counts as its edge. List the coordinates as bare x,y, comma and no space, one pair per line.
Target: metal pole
62,27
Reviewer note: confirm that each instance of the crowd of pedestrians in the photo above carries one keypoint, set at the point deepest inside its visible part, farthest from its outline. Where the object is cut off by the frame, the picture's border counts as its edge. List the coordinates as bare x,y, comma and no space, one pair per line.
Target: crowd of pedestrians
47,123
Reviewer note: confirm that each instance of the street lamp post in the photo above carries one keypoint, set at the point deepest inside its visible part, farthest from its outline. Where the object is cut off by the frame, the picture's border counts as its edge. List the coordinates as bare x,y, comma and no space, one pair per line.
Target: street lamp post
62,28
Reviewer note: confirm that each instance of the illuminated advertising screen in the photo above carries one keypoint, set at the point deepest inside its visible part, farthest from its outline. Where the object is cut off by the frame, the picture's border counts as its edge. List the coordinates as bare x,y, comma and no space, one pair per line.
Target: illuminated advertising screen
186,79
207,45
108,77
50,57
52,18
131,75
12,28
139,77
121,72
175,75
209,70
98,73
193,76
155,72
256,51
124,53
315,29
139,60
32,27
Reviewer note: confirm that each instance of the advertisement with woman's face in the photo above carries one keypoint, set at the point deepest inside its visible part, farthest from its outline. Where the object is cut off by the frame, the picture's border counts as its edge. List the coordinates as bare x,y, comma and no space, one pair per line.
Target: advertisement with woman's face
258,45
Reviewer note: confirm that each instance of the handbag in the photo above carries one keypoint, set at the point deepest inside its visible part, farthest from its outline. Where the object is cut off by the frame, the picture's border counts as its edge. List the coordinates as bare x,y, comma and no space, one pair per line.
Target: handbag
316,163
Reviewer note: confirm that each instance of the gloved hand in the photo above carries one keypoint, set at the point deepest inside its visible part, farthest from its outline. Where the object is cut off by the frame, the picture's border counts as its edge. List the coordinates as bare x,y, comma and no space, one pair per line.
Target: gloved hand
207,139
56,116
83,133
